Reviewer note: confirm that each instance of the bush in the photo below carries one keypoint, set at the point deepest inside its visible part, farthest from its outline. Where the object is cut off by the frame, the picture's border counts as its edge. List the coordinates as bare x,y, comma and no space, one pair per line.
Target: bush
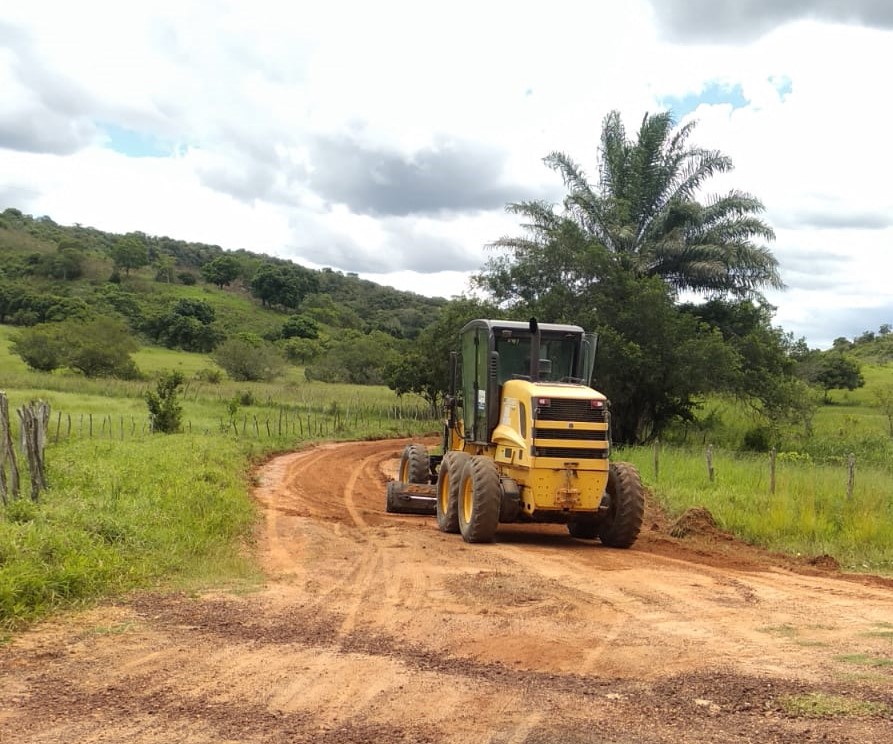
165,410
757,439
249,359
209,374
98,348
41,348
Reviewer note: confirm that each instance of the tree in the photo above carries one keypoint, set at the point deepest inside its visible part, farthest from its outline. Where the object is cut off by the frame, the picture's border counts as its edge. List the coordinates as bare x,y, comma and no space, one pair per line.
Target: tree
41,347
187,324
884,397
655,363
645,214
355,358
165,411
66,263
164,268
615,258
246,357
100,348
425,369
300,326
767,358
222,271
129,253
97,348
285,285
834,371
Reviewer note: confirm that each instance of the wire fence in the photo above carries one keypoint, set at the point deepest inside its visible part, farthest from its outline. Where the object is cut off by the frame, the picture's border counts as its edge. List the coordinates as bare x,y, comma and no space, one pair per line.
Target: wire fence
284,421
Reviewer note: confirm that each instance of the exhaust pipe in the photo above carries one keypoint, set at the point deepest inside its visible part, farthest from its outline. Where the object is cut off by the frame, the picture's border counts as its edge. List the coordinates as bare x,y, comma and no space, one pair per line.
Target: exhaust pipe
534,350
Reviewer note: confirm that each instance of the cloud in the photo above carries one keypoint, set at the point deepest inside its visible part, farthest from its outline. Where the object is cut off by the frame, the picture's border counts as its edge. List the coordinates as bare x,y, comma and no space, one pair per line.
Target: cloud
821,220
371,245
43,111
449,176
714,21
845,322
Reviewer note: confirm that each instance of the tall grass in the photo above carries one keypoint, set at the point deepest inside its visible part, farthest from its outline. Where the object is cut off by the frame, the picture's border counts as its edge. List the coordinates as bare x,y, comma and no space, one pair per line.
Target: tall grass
127,508
124,514
809,513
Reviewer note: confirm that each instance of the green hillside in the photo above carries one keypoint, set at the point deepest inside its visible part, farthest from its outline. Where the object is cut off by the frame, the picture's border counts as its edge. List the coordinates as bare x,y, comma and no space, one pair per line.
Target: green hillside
76,263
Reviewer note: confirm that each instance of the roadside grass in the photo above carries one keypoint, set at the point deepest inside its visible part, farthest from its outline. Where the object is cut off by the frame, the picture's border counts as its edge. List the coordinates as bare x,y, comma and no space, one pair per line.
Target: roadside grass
865,660
822,705
809,514
127,508
125,514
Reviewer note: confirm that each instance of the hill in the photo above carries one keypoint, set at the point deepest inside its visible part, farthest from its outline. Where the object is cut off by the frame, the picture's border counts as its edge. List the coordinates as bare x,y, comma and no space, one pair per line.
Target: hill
194,296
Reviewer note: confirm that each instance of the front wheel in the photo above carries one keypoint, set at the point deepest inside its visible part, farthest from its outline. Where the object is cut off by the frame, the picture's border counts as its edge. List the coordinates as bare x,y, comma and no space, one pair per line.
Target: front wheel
480,496
621,525
449,478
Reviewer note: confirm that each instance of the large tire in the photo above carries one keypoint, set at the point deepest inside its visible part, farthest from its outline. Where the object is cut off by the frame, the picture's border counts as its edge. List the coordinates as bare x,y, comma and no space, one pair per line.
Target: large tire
480,496
449,478
621,526
414,465
585,527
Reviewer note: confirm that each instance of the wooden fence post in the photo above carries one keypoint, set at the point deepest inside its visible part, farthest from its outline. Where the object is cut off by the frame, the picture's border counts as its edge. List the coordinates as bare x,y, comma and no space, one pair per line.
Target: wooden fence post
7,454
773,453
710,471
655,456
851,475
35,418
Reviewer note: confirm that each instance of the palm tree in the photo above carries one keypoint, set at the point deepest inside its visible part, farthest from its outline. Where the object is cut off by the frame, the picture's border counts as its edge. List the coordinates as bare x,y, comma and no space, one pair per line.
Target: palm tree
645,214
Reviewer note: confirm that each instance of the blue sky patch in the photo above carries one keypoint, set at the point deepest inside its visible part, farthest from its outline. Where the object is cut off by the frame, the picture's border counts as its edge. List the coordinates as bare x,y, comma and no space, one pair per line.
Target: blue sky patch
783,85
713,94
132,143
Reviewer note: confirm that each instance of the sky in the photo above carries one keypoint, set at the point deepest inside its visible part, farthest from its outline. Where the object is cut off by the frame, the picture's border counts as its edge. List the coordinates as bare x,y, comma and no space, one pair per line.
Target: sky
386,138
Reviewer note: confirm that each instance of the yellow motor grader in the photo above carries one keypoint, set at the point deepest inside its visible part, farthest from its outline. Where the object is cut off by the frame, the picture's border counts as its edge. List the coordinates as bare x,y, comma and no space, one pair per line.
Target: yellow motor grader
526,439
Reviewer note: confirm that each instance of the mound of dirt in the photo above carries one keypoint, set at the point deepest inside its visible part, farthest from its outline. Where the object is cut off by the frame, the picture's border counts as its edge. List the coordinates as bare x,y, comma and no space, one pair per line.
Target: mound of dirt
826,562
696,521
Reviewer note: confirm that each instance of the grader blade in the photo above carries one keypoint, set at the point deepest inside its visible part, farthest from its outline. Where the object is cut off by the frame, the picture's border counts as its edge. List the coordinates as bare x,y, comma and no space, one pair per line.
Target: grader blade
411,498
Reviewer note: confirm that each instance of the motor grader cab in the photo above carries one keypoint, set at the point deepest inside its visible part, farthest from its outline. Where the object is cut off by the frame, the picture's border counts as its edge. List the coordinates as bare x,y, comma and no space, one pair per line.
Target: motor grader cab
526,439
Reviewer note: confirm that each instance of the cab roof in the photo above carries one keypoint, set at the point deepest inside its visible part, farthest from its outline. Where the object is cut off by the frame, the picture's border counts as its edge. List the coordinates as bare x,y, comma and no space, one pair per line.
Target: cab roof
520,326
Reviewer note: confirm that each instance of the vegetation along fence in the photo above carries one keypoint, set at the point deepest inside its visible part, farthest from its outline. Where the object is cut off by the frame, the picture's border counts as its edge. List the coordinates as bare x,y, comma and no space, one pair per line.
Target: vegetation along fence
282,422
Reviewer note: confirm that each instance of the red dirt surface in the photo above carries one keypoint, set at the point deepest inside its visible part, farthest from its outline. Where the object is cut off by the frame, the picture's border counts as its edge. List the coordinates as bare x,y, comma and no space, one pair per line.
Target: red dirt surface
373,627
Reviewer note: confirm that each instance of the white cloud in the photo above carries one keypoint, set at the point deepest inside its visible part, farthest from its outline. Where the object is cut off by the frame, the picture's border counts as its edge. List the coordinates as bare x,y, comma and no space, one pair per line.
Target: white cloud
243,95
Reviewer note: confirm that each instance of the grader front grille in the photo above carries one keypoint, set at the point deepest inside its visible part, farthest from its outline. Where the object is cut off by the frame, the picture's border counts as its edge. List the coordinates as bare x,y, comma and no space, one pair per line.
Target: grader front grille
571,430
571,410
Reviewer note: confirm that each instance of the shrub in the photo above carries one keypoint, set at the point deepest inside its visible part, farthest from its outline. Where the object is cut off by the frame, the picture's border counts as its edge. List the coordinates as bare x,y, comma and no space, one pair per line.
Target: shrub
249,359
41,348
165,410
757,439
98,348
209,374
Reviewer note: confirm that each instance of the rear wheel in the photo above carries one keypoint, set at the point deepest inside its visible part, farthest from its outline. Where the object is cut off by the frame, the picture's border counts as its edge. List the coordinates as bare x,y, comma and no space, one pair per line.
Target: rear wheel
480,496
414,464
621,526
449,478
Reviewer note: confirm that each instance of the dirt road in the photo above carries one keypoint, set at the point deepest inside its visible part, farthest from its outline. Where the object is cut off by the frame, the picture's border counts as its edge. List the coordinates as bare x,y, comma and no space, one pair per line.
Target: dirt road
378,628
